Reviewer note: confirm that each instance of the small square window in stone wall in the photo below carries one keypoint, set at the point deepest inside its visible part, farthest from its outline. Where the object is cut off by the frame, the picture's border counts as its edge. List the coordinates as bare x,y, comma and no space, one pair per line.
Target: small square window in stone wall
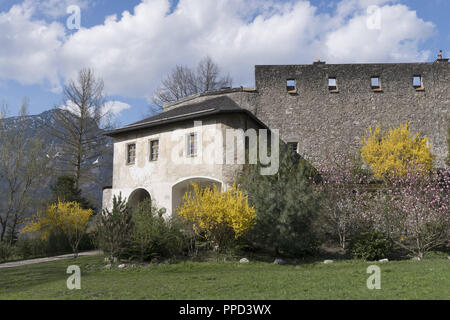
417,81
291,86
375,82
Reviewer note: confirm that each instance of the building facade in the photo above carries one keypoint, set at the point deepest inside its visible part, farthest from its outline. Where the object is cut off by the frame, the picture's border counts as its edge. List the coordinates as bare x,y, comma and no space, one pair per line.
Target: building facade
320,109
160,157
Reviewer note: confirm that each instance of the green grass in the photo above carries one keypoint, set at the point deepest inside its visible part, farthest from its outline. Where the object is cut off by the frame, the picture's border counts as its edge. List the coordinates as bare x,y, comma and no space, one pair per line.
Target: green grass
426,279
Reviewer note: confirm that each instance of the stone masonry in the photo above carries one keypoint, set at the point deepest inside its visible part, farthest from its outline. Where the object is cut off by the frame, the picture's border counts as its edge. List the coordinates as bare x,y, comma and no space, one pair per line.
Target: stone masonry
327,120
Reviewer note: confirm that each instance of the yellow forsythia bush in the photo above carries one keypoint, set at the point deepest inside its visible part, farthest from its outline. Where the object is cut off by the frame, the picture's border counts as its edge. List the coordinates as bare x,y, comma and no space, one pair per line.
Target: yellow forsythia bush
395,150
220,216
67,218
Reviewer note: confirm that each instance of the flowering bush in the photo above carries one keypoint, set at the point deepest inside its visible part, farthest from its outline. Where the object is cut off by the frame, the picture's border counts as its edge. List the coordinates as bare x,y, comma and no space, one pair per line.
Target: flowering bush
218,215
67,218
395,150
347,198
419,219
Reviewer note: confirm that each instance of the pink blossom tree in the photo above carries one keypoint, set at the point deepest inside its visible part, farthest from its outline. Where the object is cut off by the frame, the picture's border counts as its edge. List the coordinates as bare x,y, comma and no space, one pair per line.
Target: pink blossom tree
346,209
416,213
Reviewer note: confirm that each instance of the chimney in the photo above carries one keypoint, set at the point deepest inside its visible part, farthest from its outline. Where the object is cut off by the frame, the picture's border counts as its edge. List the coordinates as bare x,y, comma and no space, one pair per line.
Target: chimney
318,62
440,57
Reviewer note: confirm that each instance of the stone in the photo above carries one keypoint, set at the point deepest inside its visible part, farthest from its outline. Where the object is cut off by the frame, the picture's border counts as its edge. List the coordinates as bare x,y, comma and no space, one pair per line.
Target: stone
383,260
108,266
280,262
122,266
328,262
244,260
416,259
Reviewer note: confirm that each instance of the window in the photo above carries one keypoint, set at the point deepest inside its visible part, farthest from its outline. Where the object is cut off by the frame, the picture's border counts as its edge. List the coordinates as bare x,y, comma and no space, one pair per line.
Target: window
417,82
332,84
192,145
154,150
293,146
375,83
131,153
290,86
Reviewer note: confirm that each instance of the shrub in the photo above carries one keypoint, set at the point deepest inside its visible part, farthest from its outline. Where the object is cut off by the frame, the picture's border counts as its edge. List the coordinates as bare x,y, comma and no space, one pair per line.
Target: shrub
6,251
28,248
66,218
286,205
219,216
418,215
370,245
346,191
114,228
396,150
153,235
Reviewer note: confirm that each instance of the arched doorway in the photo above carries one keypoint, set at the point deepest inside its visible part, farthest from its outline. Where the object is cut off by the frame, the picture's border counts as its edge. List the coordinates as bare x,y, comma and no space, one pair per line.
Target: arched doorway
137,196
180,188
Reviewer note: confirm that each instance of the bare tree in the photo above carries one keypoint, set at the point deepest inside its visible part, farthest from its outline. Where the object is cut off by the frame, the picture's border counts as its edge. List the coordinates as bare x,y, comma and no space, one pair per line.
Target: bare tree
77,125
22,167
208,76
183,82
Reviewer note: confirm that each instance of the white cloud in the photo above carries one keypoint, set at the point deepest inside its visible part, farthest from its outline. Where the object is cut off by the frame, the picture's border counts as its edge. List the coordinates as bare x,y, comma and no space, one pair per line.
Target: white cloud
397,39
133,51
53,8
112,108
29,48
115,107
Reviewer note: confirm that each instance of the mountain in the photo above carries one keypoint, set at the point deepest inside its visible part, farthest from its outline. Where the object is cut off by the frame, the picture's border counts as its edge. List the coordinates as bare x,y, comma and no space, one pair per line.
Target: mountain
37,126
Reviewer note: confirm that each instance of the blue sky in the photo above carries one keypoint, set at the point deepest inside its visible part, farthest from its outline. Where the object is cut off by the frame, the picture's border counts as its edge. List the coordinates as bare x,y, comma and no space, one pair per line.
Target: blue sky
133,51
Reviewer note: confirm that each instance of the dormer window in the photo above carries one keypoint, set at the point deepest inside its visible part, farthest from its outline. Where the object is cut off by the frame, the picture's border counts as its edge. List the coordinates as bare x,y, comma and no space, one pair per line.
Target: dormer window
418,82
332,84
291,86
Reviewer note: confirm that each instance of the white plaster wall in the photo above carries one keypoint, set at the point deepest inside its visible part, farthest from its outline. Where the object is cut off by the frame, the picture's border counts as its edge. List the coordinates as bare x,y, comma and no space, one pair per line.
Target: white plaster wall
158,177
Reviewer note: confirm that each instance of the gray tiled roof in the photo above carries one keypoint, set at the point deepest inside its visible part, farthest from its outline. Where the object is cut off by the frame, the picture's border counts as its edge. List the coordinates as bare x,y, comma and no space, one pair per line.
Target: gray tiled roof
195,110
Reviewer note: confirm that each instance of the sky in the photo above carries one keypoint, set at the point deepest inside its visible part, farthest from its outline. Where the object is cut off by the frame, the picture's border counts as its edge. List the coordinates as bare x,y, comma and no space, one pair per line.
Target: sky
133,44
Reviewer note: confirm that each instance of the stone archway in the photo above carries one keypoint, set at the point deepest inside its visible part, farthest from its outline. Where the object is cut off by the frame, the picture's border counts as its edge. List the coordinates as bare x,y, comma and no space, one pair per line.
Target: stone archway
137,196
180,188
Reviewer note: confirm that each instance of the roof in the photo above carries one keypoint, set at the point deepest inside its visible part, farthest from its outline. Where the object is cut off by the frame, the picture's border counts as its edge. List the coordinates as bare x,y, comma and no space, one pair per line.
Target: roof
209,93
219,105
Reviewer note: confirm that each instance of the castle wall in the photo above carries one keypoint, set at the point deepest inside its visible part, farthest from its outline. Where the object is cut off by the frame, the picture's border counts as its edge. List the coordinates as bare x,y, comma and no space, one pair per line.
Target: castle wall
325,122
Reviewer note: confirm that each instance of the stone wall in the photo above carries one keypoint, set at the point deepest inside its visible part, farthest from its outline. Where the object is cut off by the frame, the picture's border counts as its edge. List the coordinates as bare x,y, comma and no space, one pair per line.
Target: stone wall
323,122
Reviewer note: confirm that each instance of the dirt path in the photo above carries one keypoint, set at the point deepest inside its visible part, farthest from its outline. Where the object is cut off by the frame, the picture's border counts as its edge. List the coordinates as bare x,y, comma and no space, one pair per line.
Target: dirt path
40,260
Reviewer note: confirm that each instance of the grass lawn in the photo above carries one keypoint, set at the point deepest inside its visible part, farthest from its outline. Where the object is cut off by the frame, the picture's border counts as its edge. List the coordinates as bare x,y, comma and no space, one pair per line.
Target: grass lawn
426,279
